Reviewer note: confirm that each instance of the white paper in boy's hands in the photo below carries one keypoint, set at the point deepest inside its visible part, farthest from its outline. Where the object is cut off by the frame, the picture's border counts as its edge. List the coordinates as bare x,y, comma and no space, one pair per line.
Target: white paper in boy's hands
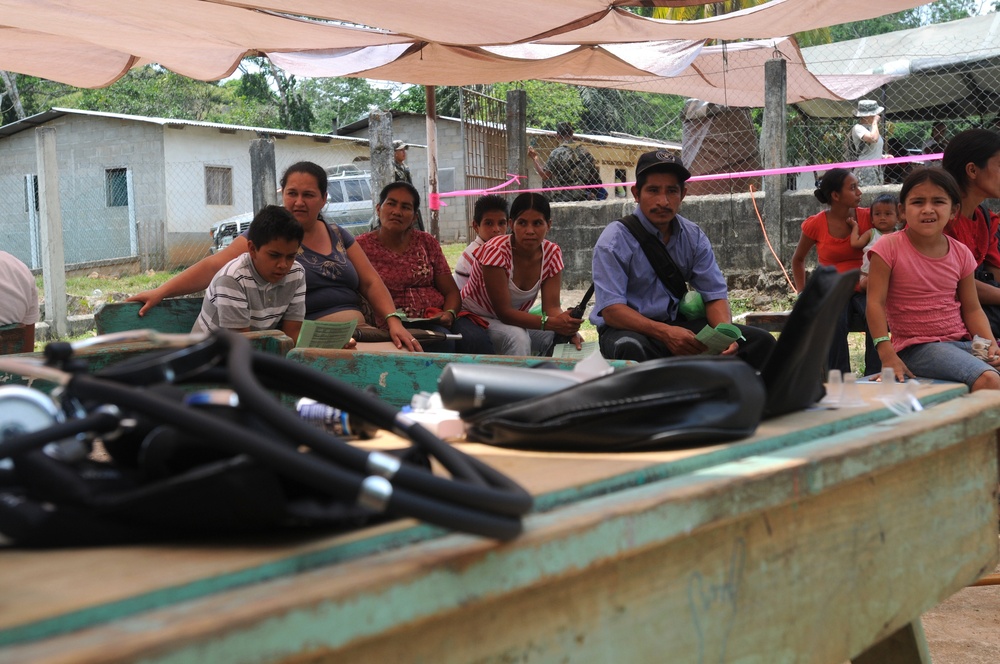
569,350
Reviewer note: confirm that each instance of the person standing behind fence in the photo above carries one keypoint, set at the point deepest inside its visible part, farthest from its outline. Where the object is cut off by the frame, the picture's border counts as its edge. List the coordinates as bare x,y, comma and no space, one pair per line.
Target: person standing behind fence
830,232
973,159
569,165
866,142
401,173
18,297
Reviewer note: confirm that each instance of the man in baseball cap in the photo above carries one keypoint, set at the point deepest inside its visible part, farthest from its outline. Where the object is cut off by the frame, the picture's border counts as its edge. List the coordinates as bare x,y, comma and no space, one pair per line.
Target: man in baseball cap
645,264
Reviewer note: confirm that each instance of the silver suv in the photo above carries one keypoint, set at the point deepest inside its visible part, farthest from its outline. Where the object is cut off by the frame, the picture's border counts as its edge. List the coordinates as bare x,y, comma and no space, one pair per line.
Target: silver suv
348,204
349,198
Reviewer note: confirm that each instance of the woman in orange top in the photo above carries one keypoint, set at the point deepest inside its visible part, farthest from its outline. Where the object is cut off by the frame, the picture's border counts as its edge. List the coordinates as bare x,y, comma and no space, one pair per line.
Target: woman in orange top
830,232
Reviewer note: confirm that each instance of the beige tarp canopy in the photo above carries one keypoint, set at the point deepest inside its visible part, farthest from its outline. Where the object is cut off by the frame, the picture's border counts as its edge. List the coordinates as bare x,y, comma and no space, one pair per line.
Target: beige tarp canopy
731,75
92,43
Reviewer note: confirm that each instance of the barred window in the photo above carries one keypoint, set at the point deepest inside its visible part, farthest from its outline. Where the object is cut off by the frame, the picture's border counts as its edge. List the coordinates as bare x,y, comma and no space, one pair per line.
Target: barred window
218,185
116,187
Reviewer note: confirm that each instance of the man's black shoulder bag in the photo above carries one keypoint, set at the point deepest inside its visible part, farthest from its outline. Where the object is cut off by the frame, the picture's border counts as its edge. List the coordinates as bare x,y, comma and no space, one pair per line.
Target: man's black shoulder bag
658,256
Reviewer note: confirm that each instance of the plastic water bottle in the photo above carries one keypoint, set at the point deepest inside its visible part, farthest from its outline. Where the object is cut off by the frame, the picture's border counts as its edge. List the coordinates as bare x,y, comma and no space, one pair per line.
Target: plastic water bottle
334,420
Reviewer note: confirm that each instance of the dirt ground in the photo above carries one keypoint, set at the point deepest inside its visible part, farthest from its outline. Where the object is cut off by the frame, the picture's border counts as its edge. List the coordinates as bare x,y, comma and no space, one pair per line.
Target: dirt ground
965,628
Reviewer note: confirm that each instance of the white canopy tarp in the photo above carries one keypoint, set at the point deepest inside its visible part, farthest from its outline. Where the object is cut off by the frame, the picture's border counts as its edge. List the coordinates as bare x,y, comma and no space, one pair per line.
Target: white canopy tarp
731,75
92,43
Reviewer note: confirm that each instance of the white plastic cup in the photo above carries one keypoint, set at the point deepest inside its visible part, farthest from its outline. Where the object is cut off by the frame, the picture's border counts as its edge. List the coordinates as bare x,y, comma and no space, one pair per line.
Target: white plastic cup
851,395
834,386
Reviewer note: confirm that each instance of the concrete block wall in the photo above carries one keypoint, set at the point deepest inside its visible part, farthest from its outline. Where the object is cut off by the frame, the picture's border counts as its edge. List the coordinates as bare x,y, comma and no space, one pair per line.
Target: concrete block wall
729,221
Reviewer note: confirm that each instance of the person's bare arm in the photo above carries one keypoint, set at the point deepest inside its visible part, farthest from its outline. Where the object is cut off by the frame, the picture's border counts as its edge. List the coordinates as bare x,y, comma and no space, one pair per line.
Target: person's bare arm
195,278
802,250
872,134
445,283
559,321
373,289
291,328
544,174
858,240
878,326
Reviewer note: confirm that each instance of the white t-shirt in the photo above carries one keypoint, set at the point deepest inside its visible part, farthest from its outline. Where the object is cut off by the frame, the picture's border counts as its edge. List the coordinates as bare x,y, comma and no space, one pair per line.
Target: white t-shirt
18,293
866,151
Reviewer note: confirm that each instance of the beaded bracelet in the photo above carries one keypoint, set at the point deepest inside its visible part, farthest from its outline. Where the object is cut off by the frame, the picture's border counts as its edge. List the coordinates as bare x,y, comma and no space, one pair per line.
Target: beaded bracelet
545,317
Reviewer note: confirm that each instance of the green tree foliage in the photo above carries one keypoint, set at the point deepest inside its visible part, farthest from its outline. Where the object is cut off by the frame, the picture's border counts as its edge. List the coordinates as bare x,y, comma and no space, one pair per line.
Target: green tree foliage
336,102
548,103
940,11
649,115
294,110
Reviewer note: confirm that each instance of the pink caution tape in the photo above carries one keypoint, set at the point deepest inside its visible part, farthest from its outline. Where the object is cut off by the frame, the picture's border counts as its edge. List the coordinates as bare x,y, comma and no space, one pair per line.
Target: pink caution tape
435,198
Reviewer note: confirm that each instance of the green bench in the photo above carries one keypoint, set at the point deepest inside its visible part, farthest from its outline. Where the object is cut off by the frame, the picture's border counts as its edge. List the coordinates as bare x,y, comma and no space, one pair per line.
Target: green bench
174,315
396,377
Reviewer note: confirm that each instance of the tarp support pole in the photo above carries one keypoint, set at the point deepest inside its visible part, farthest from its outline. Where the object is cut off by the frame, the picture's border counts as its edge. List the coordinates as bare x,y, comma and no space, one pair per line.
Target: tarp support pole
774,147
432,159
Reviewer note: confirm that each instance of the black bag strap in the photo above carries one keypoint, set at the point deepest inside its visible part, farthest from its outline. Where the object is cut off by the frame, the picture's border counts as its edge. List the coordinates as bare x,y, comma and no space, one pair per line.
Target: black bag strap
658,256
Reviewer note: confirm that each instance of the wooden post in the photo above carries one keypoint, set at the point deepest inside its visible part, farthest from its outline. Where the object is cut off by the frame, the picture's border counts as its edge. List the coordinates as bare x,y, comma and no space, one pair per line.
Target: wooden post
432,164
53,256
517,135
380,144
263,175
775,155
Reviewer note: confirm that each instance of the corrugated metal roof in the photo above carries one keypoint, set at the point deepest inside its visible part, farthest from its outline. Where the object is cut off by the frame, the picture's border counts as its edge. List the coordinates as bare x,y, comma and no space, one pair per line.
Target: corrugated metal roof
52,114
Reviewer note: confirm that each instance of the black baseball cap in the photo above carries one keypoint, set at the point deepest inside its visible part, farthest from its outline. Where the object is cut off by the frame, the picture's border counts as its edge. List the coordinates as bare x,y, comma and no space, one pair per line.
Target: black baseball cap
662,160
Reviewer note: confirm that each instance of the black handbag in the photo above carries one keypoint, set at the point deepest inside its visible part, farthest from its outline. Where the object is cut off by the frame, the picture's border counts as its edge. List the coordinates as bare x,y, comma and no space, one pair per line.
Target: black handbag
660,404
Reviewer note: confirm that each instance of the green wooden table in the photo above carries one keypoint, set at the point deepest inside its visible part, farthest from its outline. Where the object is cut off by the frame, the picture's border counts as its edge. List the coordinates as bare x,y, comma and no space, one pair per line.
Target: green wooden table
821,539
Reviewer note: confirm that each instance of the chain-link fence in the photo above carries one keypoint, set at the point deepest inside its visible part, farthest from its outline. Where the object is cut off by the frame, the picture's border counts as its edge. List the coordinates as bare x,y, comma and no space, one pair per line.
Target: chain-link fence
139,194
928,84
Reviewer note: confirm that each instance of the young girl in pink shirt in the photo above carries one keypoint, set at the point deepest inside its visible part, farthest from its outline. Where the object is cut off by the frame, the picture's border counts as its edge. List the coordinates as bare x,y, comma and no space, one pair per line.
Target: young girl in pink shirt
921,286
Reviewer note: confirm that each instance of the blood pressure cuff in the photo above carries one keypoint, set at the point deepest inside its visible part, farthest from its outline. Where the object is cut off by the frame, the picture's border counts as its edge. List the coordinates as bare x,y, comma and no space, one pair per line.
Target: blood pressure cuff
661,404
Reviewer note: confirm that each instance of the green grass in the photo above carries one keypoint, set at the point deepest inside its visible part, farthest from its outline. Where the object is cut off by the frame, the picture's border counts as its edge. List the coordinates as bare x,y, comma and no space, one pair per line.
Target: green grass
131,284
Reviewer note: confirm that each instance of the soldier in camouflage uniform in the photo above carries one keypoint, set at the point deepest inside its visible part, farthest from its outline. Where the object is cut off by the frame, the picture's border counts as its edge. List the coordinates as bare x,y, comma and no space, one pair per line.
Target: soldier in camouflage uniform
569,165
401,173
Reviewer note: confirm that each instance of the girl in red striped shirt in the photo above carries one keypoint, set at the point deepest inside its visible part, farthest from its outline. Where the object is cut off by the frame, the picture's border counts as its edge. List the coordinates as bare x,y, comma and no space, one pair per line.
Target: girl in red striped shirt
507,276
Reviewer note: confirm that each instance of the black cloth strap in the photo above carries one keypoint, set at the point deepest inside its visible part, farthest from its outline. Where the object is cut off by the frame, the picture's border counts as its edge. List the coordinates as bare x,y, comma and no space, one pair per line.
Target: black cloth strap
658,256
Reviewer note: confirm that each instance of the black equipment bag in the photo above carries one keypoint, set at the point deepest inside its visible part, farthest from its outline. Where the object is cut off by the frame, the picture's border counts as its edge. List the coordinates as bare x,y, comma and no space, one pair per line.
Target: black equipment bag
661,404
794,373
